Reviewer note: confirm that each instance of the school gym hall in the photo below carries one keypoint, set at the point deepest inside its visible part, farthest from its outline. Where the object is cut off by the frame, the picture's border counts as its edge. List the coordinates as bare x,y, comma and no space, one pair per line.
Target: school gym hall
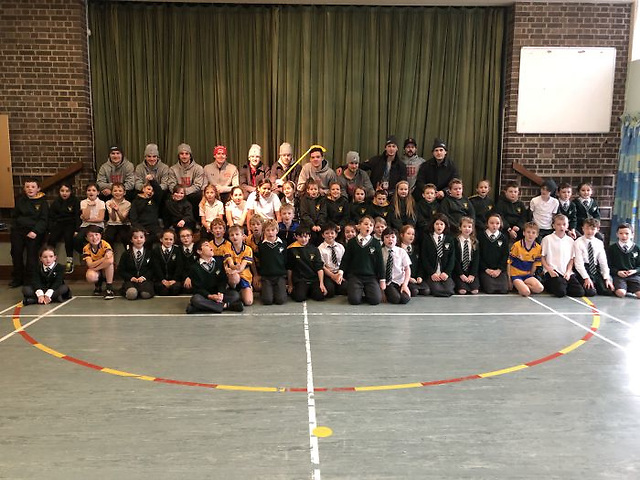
476,387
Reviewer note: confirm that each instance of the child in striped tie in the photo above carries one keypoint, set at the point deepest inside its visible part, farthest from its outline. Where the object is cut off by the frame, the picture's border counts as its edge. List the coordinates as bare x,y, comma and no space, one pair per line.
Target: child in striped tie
417,285
332,253
494,253
47,283
167,265
438,257
135,267
467,259
586,207
397,269
590,262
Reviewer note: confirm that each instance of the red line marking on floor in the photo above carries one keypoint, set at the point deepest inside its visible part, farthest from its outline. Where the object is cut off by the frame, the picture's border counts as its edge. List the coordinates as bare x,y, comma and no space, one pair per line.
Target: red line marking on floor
82,362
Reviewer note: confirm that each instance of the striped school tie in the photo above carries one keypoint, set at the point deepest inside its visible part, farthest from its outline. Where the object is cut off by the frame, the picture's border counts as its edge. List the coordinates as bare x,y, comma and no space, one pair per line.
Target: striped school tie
593,270
466,258
334,255
389,267
440,247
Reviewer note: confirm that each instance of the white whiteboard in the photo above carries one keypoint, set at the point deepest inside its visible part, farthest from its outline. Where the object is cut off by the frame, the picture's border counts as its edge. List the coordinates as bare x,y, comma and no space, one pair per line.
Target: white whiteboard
565,90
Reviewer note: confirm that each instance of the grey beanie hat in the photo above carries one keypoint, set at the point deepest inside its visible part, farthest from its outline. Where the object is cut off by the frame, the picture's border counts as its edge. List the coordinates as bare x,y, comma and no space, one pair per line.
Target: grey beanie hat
151,150
184,147
353,157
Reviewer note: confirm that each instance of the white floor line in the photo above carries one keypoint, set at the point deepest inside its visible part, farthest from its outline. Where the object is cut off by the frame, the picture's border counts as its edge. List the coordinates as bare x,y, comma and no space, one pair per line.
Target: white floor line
595,334
315,314
39,317
601,313
9,308
311,401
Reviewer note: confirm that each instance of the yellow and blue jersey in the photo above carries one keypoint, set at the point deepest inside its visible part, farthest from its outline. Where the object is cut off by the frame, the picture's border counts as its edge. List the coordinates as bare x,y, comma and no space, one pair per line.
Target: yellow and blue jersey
523,260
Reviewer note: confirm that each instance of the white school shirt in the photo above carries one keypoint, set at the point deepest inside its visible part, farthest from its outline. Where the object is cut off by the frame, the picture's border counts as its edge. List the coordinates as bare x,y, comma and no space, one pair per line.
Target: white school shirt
543,211
462,241
263,207
557,252
401,261
582,256
236,210
325,254
99,206
209,212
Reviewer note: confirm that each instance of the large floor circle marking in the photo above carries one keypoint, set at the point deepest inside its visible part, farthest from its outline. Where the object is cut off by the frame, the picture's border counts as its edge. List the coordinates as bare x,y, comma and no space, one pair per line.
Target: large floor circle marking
595,325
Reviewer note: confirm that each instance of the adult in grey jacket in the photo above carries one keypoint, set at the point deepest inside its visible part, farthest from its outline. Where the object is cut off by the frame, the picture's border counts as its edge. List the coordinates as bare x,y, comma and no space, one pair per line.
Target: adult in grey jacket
318,169
117,169
353,176
190,175
152,170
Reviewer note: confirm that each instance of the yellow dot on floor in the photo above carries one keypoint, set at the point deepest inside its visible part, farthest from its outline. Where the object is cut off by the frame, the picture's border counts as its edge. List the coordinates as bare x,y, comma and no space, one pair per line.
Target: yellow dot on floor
322,432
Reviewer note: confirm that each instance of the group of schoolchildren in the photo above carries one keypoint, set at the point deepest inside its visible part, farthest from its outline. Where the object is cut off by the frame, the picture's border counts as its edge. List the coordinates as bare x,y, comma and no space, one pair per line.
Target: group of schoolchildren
307,245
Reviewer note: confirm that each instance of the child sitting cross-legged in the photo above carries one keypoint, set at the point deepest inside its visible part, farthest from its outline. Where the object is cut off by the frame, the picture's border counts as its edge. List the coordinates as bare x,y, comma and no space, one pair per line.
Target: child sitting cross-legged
211,293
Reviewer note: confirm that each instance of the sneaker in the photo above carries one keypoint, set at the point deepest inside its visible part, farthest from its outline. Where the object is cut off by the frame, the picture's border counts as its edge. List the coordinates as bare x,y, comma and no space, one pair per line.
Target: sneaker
109,295
97,292
236,306
69,267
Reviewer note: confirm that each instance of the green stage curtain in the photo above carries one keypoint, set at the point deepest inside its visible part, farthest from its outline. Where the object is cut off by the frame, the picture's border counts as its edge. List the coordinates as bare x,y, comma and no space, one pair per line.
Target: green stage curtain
343,77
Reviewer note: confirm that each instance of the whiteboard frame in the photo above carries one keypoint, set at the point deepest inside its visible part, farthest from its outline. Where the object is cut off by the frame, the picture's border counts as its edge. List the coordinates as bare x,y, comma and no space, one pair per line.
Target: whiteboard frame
566,89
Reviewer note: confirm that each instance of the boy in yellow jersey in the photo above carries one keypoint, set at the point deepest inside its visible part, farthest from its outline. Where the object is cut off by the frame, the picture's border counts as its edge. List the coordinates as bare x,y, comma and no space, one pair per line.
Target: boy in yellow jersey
238,259
98,256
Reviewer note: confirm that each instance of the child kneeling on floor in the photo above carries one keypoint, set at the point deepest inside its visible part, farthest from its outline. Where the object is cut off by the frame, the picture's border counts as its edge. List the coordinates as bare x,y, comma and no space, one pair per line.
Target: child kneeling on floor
305,269
136,269
624,261
47,282
211,292
363,267
557,261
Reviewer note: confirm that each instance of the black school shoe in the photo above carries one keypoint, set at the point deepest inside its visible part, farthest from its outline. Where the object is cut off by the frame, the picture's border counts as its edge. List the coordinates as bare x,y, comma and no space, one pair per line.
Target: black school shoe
236,306
15,283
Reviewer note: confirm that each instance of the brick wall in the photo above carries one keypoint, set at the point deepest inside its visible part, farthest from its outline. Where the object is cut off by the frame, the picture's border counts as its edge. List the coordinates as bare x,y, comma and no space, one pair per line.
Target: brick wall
44,86
566,157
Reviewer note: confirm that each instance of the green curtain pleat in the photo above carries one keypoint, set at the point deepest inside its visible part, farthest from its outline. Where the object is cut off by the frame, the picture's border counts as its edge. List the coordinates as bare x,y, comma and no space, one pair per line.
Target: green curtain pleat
343,77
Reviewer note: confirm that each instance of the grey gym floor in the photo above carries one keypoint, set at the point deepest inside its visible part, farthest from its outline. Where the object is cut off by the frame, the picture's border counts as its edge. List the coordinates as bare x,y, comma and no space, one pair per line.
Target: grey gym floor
573,415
